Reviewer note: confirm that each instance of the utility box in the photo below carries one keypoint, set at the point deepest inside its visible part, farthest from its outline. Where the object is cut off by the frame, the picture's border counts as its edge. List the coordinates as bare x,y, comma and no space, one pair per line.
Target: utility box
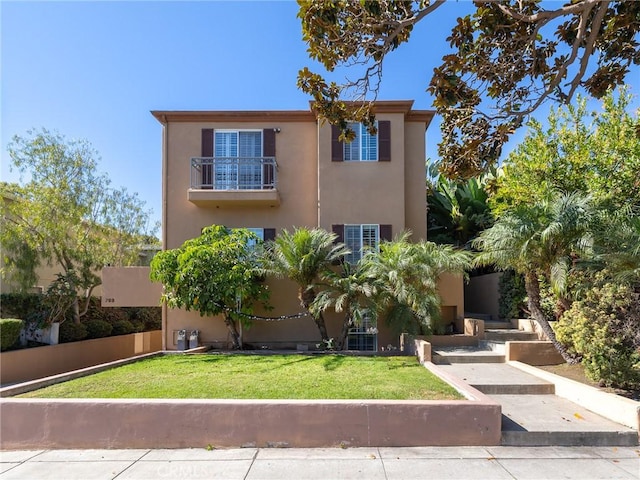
182,340
194,339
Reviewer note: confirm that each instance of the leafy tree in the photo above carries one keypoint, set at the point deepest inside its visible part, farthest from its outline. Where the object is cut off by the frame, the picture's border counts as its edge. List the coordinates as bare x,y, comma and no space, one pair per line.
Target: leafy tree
593,152
457,211
304,256
66,215
407,280
541,240
350,291
507,59
214,274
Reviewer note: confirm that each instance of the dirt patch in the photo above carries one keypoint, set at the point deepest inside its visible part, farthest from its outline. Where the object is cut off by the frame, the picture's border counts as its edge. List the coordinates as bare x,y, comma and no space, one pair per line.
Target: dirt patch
576,372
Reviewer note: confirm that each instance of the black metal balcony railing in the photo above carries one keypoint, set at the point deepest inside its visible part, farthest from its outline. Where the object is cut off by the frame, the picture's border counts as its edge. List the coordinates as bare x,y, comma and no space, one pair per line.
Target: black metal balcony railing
233,173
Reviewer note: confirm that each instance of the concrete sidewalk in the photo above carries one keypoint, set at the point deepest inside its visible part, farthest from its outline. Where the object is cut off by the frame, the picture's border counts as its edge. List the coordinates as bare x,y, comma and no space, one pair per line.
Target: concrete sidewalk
580,463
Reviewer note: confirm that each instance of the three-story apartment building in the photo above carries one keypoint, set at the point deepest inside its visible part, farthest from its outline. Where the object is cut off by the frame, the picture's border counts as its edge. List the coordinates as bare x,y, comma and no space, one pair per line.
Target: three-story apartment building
274,170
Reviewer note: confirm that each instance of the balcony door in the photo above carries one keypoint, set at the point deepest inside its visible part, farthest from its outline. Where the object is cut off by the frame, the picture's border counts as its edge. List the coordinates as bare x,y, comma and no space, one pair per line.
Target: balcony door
238,164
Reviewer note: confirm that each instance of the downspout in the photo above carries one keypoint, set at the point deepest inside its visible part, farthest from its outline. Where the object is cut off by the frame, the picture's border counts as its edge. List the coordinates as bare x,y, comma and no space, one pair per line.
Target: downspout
165,180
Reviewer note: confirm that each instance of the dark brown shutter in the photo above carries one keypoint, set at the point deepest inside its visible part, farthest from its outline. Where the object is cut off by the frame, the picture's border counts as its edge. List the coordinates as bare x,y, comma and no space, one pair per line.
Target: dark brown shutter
269,142
206,180
385,233
207,142
339,231
268,150
269,234
337,147
384,141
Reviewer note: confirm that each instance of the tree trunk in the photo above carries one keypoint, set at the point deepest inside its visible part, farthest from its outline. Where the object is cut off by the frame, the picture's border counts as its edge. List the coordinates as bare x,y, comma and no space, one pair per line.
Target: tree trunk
532,286
346,326
233,330
76,310
307,296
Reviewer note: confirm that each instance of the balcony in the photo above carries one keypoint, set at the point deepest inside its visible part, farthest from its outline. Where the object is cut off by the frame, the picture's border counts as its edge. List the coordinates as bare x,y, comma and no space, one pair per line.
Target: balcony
234,181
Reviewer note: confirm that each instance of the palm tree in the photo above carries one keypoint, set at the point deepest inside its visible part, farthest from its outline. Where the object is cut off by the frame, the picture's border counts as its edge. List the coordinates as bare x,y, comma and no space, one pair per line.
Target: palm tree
618,247
350,291
541,241
303,256
407,279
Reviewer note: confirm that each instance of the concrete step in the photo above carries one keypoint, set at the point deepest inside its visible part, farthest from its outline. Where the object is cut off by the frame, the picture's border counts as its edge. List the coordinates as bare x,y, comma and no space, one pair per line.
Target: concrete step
499,379
449,355
542,420
498,325
509,335
496,346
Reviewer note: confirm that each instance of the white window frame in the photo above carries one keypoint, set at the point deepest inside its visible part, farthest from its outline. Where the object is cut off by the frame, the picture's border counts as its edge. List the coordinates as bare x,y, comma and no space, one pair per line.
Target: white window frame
229,176
356,150
363,239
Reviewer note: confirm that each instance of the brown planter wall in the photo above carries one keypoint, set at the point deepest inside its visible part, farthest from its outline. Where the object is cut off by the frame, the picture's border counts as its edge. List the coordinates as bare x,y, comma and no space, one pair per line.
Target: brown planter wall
31,363
61,423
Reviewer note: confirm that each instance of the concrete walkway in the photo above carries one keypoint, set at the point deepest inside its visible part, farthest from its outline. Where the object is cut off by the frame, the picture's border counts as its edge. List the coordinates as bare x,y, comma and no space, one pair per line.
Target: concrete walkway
531,414
456,463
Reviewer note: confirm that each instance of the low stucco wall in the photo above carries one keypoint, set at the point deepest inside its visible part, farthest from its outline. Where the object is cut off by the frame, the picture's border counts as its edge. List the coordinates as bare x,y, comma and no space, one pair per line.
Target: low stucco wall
31,363
66,423
532,353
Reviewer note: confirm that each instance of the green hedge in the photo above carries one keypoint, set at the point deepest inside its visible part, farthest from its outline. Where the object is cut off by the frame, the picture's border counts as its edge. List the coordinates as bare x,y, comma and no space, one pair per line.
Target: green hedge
98,329
9,332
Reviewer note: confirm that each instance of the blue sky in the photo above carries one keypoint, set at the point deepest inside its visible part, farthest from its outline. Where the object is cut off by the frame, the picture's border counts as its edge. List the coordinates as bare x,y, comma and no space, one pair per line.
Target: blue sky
94,70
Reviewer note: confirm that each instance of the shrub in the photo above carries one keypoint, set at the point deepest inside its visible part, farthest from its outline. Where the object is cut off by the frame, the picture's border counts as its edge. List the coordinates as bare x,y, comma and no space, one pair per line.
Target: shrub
98,328
9,332
604,328
72,332
512,295
19,305
150,318
123,327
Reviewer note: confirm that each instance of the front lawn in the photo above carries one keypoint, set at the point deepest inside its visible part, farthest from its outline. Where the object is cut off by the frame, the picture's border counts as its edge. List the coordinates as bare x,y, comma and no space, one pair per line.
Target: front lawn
240,376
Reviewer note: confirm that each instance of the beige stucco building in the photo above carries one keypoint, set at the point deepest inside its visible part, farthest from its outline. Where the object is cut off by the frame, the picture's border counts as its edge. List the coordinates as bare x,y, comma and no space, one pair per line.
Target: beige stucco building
274,170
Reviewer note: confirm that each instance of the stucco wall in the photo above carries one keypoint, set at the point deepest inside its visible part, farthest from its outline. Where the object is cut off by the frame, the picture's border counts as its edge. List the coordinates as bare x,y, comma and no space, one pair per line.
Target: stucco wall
129,287
31,363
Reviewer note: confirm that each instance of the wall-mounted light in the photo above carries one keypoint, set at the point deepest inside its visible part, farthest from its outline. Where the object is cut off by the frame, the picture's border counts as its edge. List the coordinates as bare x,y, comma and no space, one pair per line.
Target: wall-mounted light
277,130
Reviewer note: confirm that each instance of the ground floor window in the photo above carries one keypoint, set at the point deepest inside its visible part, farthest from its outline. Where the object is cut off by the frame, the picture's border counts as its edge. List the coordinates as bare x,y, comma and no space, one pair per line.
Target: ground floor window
363,337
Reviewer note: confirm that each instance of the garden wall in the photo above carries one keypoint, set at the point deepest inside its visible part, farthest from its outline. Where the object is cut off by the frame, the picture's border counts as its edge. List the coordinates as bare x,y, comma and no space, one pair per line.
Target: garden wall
31,363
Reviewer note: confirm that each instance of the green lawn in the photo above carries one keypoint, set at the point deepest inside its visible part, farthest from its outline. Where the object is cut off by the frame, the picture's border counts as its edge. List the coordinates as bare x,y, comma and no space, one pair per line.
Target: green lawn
260,377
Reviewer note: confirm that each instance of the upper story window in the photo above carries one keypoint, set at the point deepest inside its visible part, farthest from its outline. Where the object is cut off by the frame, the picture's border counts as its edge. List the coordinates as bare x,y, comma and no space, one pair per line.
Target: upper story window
363,148
238,143
238,164
359,239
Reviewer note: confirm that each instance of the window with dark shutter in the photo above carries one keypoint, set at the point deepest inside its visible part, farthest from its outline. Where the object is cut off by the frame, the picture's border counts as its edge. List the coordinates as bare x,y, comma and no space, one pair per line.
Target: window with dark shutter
384,141
337,147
